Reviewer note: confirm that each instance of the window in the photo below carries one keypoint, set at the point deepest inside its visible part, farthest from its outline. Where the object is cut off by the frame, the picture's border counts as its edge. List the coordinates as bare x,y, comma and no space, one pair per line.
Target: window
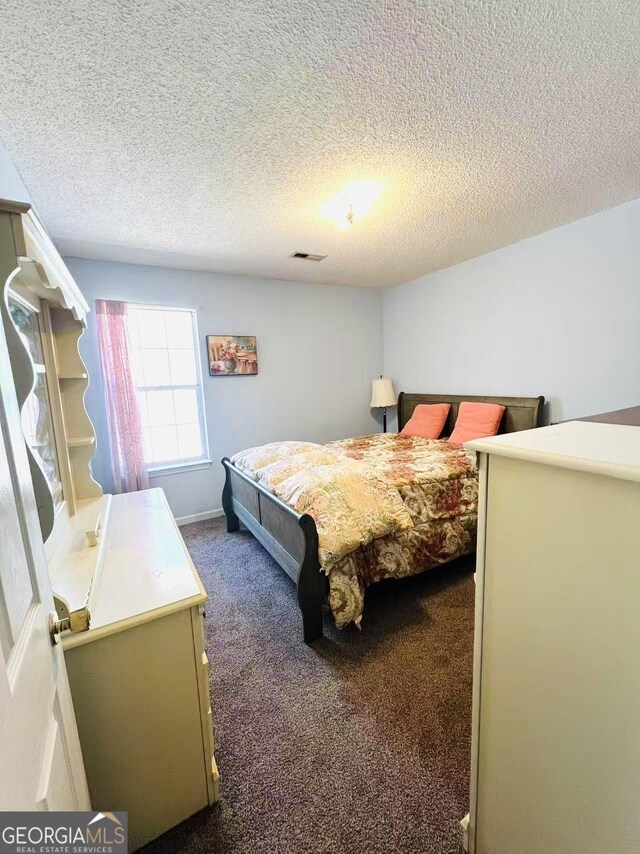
37,424
166,372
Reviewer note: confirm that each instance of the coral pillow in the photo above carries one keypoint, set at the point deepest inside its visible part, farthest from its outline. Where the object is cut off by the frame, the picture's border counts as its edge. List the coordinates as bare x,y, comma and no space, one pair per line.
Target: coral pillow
476,420
427,420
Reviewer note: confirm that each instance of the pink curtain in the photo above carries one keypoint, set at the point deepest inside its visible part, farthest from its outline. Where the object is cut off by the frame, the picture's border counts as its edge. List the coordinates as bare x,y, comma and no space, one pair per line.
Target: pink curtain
123,413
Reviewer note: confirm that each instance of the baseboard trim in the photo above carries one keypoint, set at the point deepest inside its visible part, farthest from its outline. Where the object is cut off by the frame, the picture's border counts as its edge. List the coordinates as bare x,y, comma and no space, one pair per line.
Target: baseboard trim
200,517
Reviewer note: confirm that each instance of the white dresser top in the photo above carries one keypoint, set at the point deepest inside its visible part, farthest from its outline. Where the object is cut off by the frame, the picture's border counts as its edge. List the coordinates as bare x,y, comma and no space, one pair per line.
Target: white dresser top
146,571
74,563
608,449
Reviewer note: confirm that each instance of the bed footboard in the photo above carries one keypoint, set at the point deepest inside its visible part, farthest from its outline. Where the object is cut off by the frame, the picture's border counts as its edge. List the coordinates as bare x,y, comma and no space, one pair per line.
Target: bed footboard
289,537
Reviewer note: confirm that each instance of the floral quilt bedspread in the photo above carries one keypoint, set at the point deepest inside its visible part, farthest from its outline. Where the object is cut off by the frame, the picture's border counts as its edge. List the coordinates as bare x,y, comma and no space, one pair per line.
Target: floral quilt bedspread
385,506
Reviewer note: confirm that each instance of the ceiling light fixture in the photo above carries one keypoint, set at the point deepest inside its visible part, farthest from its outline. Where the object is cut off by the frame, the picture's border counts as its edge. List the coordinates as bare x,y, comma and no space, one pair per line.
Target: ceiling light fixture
351,203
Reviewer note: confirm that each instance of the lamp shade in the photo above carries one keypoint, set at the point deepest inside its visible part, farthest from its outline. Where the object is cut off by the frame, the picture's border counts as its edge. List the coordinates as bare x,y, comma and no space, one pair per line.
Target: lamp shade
382,393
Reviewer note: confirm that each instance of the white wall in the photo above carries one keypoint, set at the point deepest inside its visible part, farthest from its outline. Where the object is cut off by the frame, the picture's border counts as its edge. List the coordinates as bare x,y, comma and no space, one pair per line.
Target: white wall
11,186
318,347
558,315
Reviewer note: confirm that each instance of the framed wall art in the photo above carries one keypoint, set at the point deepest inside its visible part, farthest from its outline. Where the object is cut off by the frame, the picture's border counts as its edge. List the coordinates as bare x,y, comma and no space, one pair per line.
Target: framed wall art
232,355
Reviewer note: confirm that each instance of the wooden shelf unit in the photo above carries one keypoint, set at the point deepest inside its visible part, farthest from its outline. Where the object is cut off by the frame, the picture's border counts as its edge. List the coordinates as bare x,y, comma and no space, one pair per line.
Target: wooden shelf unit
80,441
31,268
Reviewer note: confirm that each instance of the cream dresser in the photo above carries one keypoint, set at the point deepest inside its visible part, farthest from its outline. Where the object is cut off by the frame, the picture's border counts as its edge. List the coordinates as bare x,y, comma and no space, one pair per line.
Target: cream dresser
139,676
139,673
556,714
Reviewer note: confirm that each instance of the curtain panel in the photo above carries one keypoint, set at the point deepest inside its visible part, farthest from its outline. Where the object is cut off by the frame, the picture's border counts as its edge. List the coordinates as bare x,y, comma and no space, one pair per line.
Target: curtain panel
123,413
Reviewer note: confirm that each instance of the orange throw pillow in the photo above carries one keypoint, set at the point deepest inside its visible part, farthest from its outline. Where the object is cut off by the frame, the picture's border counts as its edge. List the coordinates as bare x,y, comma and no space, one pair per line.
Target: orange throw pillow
476,420
427,420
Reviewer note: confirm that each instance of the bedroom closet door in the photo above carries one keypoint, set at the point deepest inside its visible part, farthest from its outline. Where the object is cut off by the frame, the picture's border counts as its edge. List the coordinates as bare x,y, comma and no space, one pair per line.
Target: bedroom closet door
40,752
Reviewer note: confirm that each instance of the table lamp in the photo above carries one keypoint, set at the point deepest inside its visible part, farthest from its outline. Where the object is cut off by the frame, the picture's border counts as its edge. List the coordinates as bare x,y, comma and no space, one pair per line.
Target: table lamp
382,396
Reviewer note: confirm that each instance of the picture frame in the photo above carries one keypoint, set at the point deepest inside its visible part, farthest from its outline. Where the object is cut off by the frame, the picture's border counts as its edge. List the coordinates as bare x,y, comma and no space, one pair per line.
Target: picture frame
232,355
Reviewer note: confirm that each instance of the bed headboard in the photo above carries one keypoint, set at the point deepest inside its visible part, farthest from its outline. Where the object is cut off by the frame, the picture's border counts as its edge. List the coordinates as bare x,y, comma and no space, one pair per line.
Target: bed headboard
521,413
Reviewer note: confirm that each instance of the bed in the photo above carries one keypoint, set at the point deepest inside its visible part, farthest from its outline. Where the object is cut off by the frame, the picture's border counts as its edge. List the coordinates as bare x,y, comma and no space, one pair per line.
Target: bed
433,523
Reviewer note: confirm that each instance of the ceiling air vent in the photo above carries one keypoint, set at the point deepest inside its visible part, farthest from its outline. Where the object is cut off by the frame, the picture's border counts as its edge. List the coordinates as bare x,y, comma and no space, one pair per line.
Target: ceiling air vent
308,256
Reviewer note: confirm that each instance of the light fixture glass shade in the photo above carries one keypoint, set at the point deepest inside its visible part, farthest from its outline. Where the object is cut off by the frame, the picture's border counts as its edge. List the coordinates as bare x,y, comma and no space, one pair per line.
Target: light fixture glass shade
382,393
352,202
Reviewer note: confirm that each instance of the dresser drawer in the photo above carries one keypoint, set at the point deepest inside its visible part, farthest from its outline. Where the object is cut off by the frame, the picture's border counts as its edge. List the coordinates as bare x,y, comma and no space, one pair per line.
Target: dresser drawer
215,776
202,671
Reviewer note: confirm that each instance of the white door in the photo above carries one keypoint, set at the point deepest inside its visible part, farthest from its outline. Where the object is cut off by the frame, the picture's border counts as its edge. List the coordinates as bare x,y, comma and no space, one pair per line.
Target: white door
40,759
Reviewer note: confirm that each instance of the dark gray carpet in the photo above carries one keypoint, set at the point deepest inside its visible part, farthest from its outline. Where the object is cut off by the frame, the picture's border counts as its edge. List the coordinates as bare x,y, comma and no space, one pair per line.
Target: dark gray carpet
359,743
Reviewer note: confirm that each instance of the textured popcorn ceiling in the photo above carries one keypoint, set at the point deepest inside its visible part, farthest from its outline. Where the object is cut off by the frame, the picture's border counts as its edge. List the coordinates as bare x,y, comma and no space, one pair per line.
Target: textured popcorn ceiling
208,134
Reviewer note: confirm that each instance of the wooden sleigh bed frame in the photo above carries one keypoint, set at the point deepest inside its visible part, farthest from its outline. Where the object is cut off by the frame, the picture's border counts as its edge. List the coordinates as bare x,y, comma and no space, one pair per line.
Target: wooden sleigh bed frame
292,539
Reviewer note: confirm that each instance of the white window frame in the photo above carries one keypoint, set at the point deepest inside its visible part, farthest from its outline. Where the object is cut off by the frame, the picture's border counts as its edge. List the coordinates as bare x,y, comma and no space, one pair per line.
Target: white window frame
203,462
